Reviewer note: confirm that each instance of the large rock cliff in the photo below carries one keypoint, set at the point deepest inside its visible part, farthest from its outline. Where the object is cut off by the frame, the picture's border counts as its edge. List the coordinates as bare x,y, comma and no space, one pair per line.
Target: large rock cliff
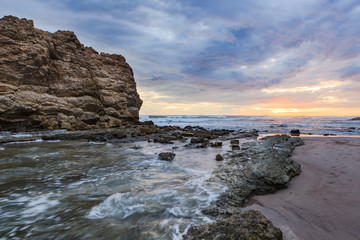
51,80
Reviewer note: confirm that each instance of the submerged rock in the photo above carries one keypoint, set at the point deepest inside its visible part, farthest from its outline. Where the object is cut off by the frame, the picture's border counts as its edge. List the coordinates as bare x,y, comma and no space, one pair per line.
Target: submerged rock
196,140
166,156
355,119
216,144
164,140
249,225
219,157
51,81
235,147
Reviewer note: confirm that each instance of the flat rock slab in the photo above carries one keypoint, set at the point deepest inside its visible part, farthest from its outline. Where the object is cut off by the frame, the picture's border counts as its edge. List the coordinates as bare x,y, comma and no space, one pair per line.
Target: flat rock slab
323,202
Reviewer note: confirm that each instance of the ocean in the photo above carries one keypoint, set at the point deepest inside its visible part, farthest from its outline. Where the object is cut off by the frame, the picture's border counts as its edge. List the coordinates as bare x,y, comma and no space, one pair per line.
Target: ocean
265,124
111,190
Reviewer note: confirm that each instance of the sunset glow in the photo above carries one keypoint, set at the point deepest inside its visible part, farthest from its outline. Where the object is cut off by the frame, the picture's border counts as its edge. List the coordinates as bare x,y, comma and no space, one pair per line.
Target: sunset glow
322,85
279,110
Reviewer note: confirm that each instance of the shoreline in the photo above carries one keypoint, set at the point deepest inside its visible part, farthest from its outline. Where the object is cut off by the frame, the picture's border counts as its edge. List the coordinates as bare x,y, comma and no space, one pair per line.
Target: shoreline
323,201
260,167
283,161
311,135
133,132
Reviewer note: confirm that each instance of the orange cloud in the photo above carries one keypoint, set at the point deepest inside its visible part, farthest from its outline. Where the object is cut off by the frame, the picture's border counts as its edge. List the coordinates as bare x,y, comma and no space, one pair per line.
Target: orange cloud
322,85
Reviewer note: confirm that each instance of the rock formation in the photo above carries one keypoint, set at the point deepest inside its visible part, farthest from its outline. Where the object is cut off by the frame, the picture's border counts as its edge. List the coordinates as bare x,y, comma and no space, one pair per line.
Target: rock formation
51,80
262,167
249,225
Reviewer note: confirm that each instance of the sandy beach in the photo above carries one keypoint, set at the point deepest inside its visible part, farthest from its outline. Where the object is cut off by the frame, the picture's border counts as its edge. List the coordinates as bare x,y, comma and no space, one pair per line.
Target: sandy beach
323,202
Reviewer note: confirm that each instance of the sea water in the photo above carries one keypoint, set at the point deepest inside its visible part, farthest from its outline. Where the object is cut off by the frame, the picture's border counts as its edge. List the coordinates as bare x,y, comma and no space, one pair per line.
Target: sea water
91,190
265,124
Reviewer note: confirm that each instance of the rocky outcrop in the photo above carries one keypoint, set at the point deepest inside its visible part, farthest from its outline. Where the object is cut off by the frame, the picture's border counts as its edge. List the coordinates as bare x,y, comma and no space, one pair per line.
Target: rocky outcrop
51,80
261,167
249,225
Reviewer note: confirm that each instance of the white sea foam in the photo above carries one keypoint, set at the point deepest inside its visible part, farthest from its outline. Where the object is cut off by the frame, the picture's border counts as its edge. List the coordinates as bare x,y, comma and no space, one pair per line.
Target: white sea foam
22,142
177,233
38,205
19,135
78,183
180,206
52,141
179,211
96,143
120,205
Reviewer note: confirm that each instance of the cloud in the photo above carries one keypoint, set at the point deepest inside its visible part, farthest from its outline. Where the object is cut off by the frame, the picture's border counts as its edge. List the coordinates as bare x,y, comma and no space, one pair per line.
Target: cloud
321,86
190,52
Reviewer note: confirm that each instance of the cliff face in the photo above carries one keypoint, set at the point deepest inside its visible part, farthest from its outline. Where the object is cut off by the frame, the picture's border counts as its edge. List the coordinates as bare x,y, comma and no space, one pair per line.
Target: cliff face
50,81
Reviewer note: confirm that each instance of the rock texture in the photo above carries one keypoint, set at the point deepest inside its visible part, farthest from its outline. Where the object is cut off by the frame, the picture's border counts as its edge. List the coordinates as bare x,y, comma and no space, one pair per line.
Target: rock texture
251,225
51,80
166,156
262,167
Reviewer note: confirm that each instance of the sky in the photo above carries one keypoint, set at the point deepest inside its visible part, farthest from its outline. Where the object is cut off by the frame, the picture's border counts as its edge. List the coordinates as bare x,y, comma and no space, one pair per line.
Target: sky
223,57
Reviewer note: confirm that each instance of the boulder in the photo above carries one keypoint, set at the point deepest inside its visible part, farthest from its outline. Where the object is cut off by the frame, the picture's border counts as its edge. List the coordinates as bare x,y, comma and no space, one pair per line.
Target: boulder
219,157
163,140
355,119
204,143
216,144
249,225
45,76
235,147
295,132
195,140
166,156
148,127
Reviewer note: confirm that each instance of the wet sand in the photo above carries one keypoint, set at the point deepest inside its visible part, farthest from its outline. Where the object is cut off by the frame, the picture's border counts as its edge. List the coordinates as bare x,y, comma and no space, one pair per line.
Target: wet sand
323,202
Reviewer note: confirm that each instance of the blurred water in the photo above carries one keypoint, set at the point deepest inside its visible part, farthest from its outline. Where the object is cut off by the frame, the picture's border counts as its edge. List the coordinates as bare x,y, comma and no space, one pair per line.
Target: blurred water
82,190
87,190
283,125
